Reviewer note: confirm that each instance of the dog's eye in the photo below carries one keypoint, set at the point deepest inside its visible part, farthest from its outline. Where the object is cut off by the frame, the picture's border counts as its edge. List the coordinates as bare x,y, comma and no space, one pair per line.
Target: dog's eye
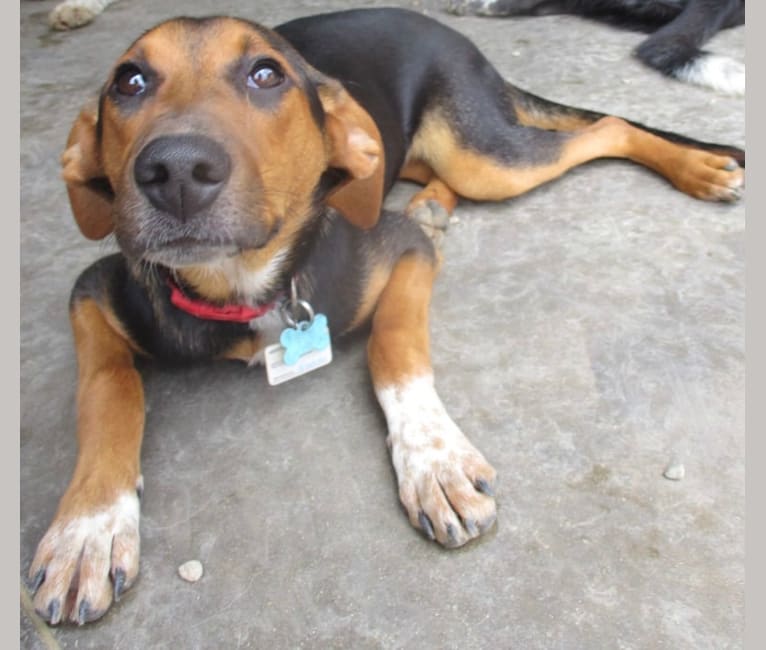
129,81
265,74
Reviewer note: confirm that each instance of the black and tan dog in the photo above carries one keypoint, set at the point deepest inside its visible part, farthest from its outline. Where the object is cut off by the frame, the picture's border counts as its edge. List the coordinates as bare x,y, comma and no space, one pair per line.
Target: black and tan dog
232,162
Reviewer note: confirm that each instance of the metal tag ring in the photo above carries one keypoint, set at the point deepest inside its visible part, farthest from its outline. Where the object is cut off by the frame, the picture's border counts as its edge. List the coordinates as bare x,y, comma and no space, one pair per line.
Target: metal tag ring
291,319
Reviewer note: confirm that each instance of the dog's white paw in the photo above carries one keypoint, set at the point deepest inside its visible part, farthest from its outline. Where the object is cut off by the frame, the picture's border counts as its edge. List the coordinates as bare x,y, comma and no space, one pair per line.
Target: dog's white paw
445,483
720,73
84,562
75,13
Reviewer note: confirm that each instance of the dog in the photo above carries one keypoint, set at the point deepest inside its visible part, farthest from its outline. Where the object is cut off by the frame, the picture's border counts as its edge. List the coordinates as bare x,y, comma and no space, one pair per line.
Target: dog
679,28
242,171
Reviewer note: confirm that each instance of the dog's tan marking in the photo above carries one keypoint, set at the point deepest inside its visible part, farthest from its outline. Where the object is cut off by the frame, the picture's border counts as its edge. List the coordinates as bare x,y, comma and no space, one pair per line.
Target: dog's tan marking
244,349
435,189
550,120
416,171
399,343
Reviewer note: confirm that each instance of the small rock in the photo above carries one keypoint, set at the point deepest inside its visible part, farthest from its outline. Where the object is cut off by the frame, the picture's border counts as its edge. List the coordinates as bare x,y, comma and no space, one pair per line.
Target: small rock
191,571
675,471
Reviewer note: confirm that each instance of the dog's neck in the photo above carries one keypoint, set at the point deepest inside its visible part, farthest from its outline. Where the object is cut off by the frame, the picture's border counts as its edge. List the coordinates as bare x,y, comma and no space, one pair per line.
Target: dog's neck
255,277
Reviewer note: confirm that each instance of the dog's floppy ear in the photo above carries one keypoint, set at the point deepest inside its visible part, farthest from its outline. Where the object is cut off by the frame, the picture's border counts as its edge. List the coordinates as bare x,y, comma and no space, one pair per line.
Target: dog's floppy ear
90,194
355,146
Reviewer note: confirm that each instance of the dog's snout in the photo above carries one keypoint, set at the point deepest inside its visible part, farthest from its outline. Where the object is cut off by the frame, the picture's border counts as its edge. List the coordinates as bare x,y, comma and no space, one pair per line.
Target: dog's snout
182,174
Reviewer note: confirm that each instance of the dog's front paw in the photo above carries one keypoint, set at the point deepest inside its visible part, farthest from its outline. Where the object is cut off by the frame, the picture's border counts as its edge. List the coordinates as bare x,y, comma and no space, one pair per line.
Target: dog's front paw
445,483
86,560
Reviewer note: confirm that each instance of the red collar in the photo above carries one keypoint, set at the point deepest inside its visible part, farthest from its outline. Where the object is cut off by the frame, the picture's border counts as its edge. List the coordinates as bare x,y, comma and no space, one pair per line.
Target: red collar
210,311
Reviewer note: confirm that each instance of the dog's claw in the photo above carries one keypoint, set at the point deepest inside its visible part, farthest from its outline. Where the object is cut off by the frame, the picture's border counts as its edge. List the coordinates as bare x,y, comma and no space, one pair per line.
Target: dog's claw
83,613
53,613
119,583
484,487
452,536
471,527
731,166
426,525
35,583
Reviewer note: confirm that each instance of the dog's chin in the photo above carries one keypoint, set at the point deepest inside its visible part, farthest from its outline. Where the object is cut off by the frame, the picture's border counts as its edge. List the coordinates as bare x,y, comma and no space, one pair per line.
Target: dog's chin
179,256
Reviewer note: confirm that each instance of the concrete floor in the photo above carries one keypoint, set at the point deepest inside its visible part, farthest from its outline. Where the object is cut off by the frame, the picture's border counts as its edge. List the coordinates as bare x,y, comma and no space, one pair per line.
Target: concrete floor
584,336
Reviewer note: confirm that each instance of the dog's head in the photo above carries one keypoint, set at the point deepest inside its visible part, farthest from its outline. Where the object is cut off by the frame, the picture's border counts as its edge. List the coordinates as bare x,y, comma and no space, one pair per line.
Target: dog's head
214,138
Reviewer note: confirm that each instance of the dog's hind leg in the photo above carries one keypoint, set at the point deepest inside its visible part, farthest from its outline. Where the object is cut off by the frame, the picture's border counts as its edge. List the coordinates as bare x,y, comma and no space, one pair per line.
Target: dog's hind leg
498,158
89,555
445,484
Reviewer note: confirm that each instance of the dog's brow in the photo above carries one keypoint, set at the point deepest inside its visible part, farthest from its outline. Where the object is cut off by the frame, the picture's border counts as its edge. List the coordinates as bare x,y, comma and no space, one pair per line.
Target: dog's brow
247,43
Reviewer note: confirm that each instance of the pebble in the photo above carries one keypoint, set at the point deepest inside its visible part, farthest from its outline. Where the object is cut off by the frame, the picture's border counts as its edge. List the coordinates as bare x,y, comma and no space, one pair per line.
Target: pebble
675,471
191,571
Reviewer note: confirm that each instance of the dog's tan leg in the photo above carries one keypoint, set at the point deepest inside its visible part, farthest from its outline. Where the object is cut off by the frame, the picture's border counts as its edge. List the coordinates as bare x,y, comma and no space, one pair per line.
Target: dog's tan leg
477,176
89,555
445,484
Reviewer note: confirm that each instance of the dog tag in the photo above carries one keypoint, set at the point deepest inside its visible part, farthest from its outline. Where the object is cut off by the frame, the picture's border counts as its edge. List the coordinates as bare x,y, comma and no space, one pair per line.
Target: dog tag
300,350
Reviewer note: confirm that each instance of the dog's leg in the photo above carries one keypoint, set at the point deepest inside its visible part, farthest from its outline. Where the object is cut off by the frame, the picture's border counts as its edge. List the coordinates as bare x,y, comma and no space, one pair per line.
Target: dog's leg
534,156
445,484
89,555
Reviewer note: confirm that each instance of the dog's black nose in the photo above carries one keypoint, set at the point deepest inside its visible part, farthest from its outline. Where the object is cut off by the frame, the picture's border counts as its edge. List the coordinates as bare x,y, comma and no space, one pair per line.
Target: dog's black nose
182,174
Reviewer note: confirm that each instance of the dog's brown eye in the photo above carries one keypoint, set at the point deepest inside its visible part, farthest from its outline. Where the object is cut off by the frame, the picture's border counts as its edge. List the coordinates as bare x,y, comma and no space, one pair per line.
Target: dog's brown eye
265,75
130,81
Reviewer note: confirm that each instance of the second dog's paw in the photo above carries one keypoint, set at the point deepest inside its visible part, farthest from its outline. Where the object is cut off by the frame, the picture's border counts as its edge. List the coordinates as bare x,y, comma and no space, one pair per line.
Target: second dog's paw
69,15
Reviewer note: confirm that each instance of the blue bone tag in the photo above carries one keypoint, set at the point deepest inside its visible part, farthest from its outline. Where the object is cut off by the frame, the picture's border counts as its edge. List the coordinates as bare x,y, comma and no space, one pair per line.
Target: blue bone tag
305,338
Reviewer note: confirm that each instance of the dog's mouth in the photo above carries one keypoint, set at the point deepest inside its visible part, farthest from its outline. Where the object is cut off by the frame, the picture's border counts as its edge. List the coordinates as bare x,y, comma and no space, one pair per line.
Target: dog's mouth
186,251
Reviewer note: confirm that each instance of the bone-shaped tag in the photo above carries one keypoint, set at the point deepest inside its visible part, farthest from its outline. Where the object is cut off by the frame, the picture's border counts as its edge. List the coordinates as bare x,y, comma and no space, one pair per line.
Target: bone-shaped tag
301,349
297,341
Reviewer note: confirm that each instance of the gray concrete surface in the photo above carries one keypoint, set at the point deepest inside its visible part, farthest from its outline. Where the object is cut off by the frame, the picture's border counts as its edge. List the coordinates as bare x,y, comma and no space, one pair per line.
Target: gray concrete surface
584,335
